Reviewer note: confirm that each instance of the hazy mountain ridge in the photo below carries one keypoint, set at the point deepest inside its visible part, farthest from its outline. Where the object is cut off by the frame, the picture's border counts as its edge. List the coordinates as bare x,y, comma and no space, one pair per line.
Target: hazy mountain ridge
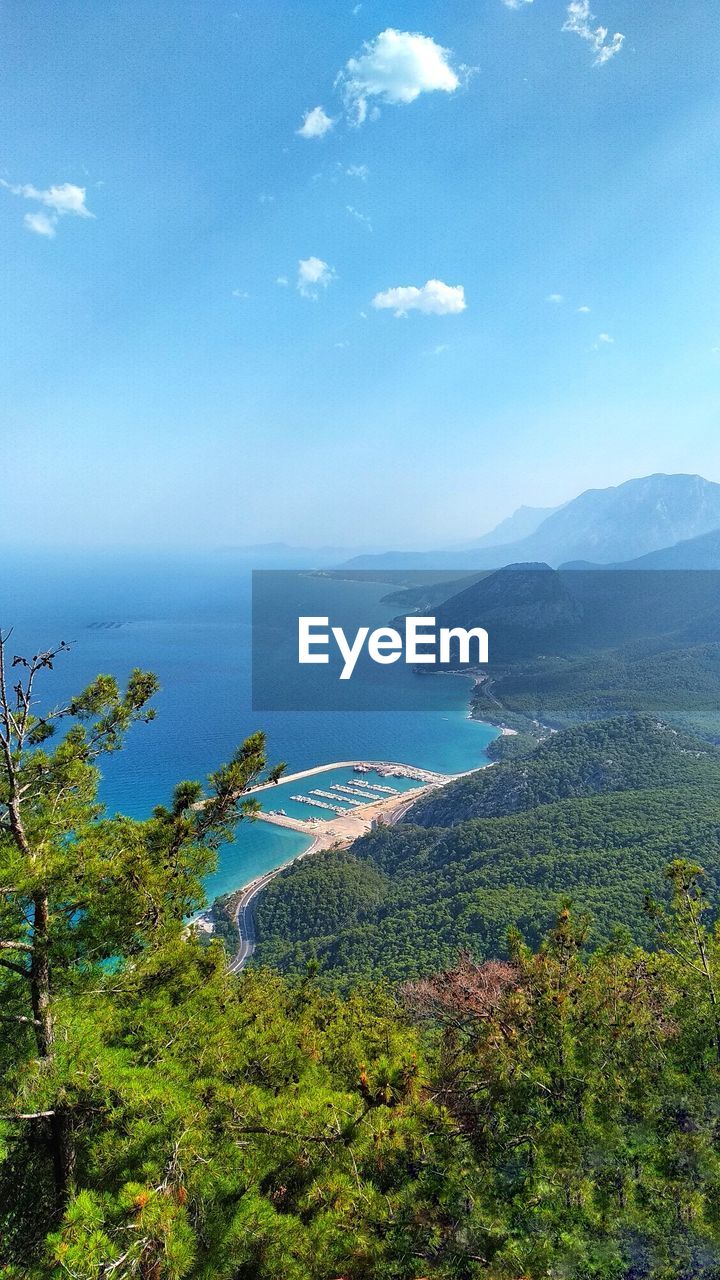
521,524
605,526
702,552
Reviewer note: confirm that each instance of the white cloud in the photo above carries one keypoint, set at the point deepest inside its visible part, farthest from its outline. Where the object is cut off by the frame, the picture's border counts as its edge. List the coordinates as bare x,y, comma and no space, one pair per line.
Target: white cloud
584,311
555,298
433,299
605,338
579,20
64,198
313,275
282,281
43,224
395,67
240,293
316,124
359,217
516,4
360,171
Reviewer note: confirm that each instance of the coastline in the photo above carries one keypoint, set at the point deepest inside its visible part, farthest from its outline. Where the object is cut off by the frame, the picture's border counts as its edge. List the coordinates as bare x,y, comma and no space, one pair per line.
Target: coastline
336,833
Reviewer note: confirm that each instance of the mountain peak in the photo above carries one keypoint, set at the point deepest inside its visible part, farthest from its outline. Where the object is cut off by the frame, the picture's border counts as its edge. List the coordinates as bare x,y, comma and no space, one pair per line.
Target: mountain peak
603,526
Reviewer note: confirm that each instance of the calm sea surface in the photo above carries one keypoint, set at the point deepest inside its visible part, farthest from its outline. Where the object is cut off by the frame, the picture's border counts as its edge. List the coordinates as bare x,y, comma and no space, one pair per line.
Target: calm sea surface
188,620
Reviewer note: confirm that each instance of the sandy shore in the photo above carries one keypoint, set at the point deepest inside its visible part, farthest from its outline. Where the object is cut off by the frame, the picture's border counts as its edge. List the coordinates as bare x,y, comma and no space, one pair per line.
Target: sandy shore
343,828
334,833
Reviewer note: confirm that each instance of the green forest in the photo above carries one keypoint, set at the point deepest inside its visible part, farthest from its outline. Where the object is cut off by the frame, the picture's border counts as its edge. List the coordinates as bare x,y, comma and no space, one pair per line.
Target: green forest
535,1095
680,683
595,813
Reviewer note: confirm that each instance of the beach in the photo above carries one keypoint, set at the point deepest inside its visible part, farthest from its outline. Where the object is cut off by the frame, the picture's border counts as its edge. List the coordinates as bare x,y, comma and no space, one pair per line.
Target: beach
337,832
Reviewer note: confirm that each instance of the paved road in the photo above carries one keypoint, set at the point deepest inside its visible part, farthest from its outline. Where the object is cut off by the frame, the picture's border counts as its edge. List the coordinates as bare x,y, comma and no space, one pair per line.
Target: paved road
245,919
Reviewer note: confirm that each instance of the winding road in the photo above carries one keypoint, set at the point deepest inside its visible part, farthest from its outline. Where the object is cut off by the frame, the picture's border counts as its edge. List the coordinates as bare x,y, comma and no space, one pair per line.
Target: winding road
245,920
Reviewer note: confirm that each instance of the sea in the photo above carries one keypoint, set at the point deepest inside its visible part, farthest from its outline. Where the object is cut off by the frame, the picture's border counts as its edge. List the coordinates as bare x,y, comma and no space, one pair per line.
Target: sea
188,619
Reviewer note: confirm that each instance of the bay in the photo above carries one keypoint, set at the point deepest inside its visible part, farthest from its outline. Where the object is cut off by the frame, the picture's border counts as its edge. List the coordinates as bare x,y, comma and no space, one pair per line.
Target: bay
187,618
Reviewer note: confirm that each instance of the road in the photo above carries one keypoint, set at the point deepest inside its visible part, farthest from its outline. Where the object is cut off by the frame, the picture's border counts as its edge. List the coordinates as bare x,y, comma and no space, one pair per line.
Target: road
245,919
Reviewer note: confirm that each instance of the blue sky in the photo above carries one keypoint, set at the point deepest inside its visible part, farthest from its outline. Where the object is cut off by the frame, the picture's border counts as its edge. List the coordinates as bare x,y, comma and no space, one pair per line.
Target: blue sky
160,387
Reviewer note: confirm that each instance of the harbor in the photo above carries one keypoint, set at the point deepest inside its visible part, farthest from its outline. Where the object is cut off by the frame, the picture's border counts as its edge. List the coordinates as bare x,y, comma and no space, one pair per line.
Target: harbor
354,795
348,806
353,792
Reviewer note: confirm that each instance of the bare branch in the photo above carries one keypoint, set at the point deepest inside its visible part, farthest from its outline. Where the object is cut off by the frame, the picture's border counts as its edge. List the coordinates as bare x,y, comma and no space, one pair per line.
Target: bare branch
27,1115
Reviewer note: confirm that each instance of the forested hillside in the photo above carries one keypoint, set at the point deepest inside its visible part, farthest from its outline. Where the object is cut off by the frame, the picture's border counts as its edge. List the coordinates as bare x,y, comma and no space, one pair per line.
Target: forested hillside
549,1113
681,684
622,754
597,825
574,645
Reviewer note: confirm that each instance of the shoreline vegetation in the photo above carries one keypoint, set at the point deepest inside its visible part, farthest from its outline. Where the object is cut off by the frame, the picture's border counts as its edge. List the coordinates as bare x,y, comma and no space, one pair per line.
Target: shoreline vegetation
231,916
222,918
591,816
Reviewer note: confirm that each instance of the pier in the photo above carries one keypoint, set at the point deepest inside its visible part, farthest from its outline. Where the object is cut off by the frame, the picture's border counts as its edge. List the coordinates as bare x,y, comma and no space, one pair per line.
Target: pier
354,792
384,768
331,795
318,804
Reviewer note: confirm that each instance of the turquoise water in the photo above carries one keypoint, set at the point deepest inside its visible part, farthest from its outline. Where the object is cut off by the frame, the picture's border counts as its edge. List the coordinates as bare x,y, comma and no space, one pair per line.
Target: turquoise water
189,621
261,846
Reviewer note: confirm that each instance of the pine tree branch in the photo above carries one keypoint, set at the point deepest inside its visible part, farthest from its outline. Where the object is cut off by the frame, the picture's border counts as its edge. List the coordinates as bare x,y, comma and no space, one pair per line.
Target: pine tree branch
26,1115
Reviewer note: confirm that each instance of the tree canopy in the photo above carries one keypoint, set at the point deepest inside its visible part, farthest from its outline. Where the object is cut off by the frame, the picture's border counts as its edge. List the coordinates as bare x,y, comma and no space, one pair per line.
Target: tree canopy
551,1112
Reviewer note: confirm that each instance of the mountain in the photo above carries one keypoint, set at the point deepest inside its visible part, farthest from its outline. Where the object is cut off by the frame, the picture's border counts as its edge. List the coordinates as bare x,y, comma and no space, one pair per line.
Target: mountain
702,552
586,760
568,646
519,525
620,524
604,526
531,610
532,597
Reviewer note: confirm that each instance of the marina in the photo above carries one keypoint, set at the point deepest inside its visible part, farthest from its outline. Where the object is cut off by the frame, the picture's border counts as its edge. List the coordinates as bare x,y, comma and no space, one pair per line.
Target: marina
344,794
318,804
355,791
331,795
345,806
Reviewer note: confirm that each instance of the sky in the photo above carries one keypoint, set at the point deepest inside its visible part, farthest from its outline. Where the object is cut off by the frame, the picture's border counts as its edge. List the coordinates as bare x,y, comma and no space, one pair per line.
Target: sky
351,274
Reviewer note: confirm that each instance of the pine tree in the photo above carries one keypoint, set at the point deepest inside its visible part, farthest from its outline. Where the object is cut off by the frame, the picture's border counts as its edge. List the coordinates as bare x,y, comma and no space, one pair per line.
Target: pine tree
83,894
